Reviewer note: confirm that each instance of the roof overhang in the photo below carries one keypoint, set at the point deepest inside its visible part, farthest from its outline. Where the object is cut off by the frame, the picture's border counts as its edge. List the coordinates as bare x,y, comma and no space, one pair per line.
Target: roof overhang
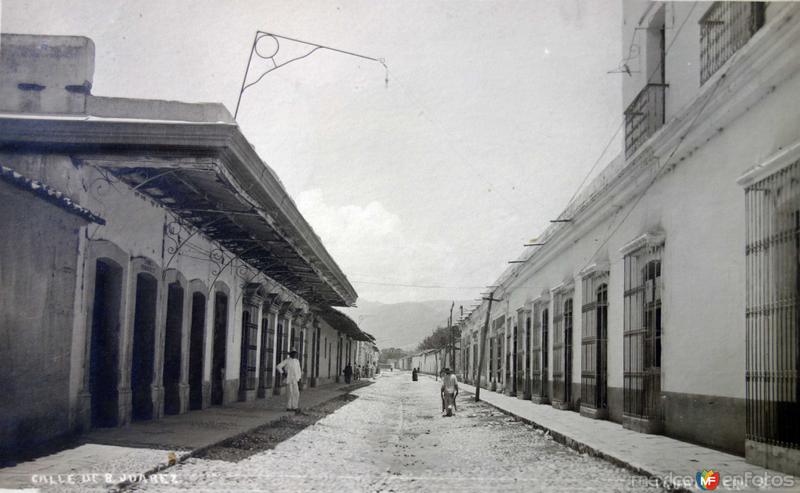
209,176
48,194
342,323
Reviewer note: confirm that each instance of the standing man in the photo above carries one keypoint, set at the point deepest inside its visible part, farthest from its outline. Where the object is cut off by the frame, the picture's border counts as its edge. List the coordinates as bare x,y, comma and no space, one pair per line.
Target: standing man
291,369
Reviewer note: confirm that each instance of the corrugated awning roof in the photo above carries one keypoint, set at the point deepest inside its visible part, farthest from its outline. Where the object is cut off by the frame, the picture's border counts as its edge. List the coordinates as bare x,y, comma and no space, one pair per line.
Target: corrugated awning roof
341,322
209,176
48,193
208,197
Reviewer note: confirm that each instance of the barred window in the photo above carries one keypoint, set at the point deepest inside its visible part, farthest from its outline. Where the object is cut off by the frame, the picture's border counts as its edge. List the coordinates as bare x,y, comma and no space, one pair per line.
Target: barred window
594,336
537,350
249,350
772,318
724,29
642,330
267,344
545,352
562,346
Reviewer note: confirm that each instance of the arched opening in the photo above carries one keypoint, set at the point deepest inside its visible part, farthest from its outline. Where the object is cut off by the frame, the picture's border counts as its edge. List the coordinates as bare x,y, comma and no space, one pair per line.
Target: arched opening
527,357
545,353
602,347
266,363
652,327
218,356
172,349
278,355
144,329
568,350
196,338
104,352
247,370
302,354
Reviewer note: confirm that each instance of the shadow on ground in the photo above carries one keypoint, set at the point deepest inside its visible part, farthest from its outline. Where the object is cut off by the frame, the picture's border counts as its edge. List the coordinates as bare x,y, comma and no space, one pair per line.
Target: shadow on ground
270,435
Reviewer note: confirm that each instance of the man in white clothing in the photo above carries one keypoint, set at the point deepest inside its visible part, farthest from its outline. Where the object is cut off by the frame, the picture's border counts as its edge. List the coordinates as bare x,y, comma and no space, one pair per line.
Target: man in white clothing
449,392
291,369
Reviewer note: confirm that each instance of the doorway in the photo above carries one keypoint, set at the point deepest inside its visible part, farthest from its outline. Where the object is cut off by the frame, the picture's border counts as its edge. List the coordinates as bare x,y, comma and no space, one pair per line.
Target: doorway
144,328
172,349
545,353
104,352
196,337
218,357
278,354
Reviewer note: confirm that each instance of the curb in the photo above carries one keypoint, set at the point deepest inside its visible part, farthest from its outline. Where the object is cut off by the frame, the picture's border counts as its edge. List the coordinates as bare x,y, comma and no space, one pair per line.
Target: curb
123,485
587,449
584,448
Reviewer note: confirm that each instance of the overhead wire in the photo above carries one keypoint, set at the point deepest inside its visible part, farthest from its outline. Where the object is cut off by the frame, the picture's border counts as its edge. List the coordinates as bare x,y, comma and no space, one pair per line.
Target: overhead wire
655,70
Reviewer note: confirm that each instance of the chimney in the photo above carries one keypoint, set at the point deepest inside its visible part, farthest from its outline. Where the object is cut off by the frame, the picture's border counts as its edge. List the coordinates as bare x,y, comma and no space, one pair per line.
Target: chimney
45,74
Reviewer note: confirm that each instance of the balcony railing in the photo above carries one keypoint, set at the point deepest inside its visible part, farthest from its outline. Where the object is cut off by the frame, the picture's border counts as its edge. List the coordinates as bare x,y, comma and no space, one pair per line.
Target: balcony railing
644,116
726,27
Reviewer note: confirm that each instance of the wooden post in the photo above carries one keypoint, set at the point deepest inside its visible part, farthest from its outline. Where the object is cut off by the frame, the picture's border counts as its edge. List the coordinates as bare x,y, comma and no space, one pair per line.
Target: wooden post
452,340
484,332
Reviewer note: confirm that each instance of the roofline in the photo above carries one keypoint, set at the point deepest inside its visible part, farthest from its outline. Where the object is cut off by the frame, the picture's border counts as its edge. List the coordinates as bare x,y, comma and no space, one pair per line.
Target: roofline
87,134
48,194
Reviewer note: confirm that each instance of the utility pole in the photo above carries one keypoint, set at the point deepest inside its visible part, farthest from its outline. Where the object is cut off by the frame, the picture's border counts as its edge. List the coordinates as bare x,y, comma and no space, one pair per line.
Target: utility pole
484,332
454,344
452,340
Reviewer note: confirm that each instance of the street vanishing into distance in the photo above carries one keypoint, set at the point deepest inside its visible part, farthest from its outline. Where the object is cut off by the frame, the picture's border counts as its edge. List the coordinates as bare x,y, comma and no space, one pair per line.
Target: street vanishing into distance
390,436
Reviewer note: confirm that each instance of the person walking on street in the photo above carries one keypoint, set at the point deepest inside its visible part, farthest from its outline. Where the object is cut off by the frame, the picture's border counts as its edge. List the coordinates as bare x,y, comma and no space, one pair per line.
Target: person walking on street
291,369
348,372
449,392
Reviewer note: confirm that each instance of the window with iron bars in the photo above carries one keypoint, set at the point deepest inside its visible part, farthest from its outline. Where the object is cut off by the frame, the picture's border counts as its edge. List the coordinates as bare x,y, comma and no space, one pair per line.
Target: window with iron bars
267,333
562,346
594,337
249,350
642,333
724,29
527,353
537,376
772,316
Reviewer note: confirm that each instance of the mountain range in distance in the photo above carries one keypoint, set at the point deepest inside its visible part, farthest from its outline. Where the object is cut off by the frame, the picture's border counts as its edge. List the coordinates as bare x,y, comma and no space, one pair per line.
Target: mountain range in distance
402,325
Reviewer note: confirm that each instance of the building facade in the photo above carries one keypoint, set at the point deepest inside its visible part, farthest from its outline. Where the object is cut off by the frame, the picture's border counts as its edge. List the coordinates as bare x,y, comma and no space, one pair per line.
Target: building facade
152,263
664,297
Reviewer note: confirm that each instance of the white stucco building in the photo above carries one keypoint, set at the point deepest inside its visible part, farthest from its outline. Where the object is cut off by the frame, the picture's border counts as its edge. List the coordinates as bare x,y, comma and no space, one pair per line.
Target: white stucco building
152,263
665,298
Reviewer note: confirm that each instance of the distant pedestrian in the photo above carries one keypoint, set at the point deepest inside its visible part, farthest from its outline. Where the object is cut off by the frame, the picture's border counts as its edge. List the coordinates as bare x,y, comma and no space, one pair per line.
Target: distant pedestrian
358,372
291,369
348,373
449,392
414,375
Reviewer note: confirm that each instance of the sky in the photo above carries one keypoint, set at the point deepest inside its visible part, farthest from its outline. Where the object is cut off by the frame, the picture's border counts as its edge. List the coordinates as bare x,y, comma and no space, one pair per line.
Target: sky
422,188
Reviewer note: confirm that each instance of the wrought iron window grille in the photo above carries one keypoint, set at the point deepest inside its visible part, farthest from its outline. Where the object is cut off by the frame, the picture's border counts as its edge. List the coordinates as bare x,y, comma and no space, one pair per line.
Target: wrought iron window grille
724,29
644,116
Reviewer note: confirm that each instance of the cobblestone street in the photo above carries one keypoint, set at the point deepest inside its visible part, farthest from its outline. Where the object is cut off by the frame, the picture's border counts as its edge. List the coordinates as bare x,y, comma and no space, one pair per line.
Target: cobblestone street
390,436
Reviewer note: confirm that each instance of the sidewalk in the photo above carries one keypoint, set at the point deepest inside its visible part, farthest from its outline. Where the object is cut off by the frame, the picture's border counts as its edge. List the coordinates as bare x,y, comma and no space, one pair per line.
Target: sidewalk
658,456
120,455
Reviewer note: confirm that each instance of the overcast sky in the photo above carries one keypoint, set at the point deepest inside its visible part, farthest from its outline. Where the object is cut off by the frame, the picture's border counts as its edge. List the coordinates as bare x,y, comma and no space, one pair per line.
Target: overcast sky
493,114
